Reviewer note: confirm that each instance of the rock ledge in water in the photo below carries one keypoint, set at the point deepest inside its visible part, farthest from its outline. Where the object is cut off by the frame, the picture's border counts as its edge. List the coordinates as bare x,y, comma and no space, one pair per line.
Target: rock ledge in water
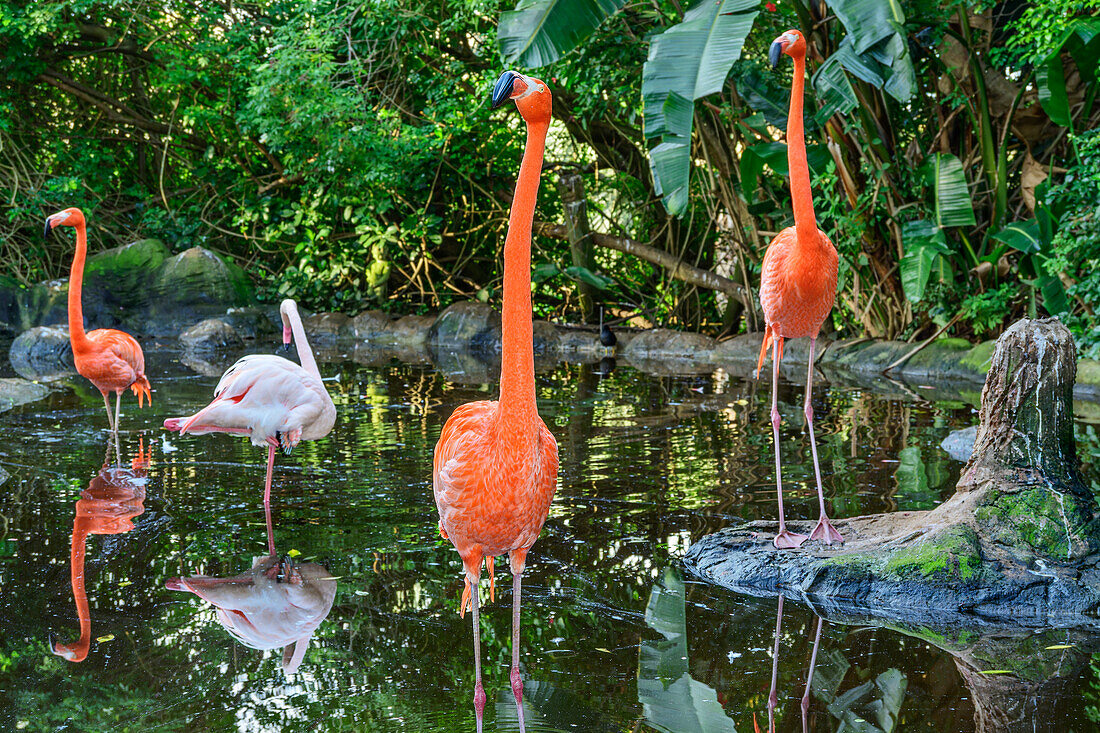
1018,543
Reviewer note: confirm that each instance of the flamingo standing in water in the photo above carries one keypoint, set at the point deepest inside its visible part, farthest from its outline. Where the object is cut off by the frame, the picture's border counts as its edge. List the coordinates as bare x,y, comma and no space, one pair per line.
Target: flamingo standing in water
109,359
496,463
268,398
797,284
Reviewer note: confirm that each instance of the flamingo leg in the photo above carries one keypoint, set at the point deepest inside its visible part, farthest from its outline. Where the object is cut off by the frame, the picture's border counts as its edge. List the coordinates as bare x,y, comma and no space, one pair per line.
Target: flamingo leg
810,677
270,470
110,418
824,529
517,679
270,530
118,420
479,691
785,539
773,697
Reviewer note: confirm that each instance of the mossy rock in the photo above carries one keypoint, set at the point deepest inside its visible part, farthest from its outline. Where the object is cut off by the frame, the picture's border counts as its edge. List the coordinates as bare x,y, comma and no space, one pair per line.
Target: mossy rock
979,358
954,555
866,356
467,325
198,276
126,271
1044,521
941,357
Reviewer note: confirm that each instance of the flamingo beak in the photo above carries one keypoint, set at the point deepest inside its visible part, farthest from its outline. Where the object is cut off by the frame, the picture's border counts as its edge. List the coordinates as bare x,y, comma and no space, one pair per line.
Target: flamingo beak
49,226
776,51
502,90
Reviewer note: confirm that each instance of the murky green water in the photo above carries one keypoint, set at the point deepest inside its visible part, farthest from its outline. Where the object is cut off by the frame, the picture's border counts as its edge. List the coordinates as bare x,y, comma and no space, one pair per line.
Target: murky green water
614,638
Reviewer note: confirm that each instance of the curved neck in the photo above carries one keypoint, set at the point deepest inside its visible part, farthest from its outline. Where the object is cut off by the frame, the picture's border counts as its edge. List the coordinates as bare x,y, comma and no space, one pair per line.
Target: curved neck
804,220
76,280
305,354
76,570
517,362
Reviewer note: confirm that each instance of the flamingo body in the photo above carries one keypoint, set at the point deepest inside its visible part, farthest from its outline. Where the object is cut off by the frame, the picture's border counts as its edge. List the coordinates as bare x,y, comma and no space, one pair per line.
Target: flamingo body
492,499
272,400
798,284
268,398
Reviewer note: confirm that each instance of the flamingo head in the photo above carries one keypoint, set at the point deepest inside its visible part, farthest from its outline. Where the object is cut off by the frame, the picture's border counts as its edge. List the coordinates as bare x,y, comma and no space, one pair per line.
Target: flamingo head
71,652
287,307
532,96
791,43
70,217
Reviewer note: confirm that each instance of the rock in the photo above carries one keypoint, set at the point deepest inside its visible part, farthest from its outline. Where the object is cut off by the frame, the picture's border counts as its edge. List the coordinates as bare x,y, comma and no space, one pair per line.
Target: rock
253,322
467,325
959,444
1017,543
195,284
580,344
42,354
46,304
662,343
328,326
15,392
862,355
370,324
213,333
410,331
546,340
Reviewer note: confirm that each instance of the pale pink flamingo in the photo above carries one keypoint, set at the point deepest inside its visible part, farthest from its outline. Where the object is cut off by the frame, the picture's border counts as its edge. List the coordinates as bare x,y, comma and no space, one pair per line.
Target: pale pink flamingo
270,399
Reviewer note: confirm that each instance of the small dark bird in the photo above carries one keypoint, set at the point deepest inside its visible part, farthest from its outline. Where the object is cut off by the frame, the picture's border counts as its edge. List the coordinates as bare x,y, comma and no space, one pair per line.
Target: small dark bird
607,337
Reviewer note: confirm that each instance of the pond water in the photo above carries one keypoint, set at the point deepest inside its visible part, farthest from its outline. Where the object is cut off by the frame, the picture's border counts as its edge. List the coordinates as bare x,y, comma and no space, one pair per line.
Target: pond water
615,638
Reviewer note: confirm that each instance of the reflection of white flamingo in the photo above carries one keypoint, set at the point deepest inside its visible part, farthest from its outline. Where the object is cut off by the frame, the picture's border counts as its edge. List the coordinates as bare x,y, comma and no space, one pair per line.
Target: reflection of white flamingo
276,604
271,399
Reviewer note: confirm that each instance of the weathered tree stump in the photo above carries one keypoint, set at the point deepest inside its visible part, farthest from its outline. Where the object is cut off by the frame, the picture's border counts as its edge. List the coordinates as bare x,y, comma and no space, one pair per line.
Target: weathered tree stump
1017,542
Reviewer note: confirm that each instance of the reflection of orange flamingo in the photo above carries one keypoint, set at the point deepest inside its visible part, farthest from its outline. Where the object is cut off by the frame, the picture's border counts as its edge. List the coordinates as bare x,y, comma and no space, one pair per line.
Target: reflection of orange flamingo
496,464
268,398
109,359
278,603
797,284
113,498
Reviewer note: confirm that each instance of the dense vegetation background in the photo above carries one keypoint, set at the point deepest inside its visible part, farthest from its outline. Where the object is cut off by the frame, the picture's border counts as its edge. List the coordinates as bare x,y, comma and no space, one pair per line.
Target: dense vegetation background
345,153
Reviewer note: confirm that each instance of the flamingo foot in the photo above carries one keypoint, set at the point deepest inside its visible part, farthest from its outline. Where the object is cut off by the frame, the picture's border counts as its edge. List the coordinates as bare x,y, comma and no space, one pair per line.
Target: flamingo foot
787,540
479,704
826,532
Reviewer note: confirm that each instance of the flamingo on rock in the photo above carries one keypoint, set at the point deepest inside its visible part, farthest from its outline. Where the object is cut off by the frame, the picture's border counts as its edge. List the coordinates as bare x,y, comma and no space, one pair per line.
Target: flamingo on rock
496,463
111,360
797,284
272,400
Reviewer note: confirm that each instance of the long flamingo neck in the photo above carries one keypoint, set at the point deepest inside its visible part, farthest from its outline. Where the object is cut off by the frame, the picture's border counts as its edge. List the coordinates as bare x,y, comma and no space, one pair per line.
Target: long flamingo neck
517,362
76,281
76,570
805,221
305,353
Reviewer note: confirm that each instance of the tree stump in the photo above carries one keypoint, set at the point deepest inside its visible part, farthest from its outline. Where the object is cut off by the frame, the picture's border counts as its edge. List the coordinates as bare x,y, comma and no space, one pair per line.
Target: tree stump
1017,542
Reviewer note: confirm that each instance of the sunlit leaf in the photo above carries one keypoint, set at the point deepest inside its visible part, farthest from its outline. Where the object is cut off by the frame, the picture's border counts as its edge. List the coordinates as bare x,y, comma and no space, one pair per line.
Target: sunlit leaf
953,205
1022,236
671,167
539,32
1060,646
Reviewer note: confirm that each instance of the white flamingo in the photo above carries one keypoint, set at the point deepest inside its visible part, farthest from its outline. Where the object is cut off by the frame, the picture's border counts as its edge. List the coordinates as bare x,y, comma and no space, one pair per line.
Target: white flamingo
268,398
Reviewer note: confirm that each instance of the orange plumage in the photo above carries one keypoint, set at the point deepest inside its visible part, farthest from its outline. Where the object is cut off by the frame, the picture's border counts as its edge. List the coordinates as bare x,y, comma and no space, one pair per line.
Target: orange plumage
109,359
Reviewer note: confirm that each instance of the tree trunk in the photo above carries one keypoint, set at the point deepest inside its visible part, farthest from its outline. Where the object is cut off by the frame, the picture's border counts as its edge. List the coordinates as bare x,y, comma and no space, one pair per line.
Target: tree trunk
571,190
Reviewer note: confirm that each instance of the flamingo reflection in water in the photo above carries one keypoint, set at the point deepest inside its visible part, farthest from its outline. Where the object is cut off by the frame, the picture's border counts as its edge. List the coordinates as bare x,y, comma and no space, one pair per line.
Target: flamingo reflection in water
773,698
278,603
108,506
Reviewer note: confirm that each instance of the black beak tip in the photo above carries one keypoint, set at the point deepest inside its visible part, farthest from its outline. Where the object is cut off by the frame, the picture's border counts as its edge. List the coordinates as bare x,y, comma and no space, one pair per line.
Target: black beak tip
49,226
775,53
502,90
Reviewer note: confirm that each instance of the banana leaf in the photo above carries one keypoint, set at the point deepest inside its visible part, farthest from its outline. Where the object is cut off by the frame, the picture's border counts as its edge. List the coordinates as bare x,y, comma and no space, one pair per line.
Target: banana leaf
539,32
924,243
833,89
869,21
1050,79
953,205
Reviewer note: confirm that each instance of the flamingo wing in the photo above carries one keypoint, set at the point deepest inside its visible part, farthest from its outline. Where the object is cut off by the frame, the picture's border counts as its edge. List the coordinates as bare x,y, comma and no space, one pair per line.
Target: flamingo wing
265,395
116,361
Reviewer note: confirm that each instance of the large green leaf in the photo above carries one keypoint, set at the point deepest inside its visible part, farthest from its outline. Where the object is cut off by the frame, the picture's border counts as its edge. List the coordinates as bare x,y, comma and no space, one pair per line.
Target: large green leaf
688,61
924,242
1054,294
755,157
869,21
539,32
584,275
1022,236
1050,78
953,205
771,102
833,89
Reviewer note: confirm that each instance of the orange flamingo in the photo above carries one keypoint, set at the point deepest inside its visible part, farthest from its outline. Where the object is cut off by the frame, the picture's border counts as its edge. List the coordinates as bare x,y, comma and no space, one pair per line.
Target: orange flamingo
108,506
797,285
272,400
496,463
109,359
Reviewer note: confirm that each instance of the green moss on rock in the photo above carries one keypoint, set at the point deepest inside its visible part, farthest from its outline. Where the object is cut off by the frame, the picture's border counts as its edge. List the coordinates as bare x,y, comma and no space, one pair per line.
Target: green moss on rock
954,553
1048,522
980,357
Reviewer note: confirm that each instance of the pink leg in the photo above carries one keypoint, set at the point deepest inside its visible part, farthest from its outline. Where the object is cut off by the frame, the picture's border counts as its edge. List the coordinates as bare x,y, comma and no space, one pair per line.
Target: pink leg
773,698
810,677
270,529
824,529
517,680
479,691
785,539
270,470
